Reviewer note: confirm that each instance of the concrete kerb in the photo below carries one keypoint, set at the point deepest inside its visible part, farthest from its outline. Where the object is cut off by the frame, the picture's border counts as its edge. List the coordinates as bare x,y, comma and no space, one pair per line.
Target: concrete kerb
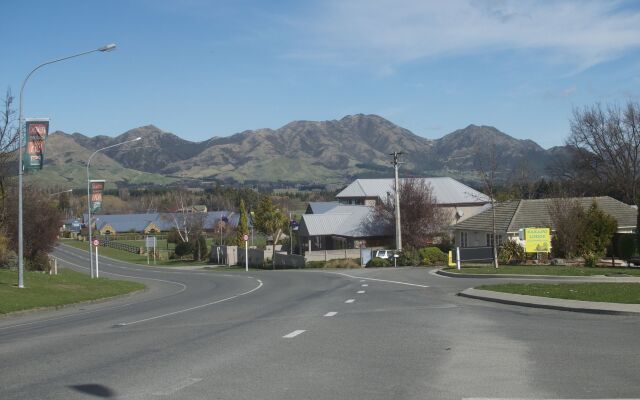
552,303
590,278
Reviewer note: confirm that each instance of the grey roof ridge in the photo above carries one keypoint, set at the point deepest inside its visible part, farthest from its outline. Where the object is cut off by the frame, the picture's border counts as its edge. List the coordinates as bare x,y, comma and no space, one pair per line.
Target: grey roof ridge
509,228
360,186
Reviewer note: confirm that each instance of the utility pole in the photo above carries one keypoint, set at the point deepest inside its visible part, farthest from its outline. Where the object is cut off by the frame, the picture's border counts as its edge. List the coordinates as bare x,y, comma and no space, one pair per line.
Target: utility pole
395,163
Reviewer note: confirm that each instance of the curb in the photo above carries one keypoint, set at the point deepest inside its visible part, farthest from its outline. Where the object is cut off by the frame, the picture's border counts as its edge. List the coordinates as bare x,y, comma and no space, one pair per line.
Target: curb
589,307
539,277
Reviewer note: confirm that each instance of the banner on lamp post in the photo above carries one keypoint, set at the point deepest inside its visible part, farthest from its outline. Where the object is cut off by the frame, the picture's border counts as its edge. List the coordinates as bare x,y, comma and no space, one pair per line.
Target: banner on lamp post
37,131
97,187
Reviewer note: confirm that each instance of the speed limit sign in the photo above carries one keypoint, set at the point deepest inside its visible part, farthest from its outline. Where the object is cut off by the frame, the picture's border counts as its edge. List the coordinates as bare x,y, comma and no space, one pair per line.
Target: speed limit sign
245,237
96,242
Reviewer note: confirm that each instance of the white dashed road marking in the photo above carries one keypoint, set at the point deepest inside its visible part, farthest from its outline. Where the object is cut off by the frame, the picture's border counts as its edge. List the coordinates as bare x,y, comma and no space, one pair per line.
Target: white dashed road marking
360,291
293,334
350,301
364,285
330,314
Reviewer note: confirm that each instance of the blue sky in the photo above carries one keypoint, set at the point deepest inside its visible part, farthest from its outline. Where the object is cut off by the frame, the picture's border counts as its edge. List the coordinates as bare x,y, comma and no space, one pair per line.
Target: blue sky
213,68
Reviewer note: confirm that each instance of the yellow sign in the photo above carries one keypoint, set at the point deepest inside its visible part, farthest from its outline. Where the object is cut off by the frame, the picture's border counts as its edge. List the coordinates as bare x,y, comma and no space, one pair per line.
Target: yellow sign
537,240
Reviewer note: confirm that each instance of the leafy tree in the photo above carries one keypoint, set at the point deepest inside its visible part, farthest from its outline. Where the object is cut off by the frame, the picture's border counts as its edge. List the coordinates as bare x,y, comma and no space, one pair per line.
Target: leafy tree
270,221
199,248
599,228
243,225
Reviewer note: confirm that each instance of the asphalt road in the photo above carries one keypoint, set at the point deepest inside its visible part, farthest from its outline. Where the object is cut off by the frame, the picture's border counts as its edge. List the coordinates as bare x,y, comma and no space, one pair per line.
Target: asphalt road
296,335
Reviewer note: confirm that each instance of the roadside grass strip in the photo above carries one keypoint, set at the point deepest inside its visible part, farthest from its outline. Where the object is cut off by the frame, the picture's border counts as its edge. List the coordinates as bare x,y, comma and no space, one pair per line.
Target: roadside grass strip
545,270
625,293
68,287
121,255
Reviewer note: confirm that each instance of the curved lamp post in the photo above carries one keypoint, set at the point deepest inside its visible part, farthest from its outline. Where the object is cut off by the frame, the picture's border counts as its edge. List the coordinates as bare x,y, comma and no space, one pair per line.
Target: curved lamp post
21,132
94,274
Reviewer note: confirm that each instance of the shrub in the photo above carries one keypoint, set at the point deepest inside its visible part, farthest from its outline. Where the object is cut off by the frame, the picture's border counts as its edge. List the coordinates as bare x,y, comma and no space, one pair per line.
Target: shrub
625,246
446,244
432,255
314,264
599,229
409,256
377,262
511,252
182,249
342,263
40,262
199,248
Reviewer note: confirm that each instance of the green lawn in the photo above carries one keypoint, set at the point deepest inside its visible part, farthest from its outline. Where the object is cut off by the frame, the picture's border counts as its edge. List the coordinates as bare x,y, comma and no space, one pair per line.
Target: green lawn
545,270
44,290
129,257
628,293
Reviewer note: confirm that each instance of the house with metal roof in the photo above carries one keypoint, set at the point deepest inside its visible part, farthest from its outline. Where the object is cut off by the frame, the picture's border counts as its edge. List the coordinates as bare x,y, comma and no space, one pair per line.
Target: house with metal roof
459,200
341,224
511,216
111,224
339,227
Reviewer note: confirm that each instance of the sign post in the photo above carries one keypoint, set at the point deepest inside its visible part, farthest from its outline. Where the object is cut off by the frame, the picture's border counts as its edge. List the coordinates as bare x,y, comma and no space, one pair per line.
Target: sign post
96,244
150,242
245,237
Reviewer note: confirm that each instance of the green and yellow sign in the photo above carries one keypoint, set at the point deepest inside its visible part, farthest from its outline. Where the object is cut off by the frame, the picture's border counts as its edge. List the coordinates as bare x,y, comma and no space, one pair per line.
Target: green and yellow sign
537,240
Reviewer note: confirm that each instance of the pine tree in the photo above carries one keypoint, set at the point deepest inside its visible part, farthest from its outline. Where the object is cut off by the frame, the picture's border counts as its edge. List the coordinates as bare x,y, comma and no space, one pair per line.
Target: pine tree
243,226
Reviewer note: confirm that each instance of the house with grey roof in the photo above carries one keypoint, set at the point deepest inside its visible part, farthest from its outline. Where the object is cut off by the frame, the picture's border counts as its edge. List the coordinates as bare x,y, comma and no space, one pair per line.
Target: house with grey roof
111,224
511,216
459,200
346,223
339,227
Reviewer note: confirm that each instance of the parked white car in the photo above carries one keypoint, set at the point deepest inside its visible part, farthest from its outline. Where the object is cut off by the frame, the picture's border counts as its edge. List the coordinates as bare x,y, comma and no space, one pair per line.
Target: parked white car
386,254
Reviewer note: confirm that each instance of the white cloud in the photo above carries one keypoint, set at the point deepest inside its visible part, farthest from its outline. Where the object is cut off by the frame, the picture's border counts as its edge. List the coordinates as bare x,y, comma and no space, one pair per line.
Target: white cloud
391,32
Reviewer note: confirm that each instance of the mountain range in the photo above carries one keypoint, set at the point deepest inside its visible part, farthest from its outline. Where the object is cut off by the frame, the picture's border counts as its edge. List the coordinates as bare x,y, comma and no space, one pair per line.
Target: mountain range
329,152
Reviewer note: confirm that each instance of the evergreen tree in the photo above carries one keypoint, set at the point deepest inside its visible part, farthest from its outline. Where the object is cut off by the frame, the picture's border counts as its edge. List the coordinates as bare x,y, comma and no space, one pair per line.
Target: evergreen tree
243,225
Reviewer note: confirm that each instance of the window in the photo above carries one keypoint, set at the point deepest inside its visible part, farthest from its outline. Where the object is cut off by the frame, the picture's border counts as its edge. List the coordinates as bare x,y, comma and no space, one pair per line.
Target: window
463,239
489,239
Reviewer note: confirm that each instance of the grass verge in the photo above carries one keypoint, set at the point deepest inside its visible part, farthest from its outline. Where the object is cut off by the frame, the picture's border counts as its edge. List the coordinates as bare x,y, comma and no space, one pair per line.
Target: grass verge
44,290
627,293
130,257
545,270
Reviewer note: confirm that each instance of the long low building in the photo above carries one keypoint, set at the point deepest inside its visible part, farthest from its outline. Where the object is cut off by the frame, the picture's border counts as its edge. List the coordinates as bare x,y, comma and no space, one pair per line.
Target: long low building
111,224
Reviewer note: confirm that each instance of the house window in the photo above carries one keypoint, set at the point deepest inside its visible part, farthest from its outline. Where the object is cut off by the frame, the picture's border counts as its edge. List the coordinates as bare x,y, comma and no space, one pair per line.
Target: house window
489,239
463,239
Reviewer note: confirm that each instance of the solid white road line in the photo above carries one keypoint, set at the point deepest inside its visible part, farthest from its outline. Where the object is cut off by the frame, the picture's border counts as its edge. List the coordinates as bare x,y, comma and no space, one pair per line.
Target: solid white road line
350,301
193,308
360,291
378,280
293,334
330,314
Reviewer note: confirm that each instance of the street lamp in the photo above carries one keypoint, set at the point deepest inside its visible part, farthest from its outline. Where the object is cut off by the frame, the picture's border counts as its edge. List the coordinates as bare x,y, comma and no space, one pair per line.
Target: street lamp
21,132
89,195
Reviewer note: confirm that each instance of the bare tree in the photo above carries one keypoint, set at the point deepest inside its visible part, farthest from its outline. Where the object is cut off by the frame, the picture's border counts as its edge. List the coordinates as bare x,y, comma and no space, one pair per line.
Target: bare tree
186,222
606,148
420,216
567,219
8,144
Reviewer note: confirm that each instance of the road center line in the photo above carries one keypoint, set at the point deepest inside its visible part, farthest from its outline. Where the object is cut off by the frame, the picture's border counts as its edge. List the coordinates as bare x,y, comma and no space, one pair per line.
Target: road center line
330,314
360,291
193,308
350,301
364,285
293,334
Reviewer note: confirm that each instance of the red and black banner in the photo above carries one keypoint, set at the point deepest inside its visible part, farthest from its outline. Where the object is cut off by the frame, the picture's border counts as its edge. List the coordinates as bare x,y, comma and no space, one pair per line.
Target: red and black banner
37,131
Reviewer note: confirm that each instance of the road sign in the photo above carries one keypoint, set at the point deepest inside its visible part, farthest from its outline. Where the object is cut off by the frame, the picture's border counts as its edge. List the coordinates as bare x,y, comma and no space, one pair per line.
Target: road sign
150,241
96,242
245,237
